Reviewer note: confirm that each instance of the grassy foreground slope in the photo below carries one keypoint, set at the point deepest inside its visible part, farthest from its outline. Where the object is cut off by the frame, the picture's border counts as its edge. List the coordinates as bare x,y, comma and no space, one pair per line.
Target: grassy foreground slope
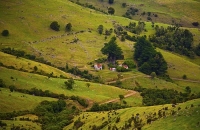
186,119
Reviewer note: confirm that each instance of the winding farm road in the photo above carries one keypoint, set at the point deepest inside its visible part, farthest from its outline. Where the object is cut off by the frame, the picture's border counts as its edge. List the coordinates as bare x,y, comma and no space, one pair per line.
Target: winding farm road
131,92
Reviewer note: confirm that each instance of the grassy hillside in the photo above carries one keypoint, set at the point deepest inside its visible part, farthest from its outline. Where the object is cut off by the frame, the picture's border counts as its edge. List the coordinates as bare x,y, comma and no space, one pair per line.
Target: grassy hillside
96,92
175,121
184,12
14,101
28,24
28,65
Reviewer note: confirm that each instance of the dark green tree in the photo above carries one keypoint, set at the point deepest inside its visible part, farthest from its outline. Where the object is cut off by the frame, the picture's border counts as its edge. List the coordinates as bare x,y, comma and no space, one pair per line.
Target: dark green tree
188,90
111,10
121,97
110,1
100,29
124,5
112,50
197,50
70,83
2,84
5,33
55,26
68,27
35,68
148,59
87,84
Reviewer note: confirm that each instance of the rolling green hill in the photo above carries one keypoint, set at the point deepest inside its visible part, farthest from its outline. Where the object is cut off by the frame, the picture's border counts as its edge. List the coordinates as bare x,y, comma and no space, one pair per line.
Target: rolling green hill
28,25
164,123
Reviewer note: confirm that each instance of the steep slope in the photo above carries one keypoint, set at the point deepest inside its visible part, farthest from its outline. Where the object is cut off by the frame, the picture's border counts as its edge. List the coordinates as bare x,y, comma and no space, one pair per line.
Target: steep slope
185,118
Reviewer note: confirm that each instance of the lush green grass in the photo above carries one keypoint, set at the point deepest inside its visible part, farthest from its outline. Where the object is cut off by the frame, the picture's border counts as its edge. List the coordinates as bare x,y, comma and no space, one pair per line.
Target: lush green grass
178,66
147,82
184,12
14,101
28,65
96,92
182,118
22,124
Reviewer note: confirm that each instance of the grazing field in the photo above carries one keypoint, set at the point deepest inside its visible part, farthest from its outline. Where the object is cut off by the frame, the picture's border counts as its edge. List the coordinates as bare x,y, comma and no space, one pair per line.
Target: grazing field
28,23
177,66
170,121
28,65
95,92
22,124
15,101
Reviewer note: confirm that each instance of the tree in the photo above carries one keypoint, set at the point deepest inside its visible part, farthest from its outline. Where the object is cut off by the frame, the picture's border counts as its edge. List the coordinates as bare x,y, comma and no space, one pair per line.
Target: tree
184,76
70,83
112,50
35,68
100,29
148,59
197,50
188,89
87,84
111,10
124,5
2,84
195,23
68,27
153,75
12,88
55,26
110,1
5,33
121,97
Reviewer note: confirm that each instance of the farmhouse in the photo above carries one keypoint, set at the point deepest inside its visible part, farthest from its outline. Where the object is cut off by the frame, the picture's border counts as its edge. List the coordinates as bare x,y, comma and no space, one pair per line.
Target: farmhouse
98,67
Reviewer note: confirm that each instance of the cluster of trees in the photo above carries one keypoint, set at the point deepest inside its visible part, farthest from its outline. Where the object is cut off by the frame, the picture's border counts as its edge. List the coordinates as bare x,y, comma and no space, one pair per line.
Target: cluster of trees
148,59
173,39
55,26
87,5
130,12
165,96
54,115
136,28
106,32
112,50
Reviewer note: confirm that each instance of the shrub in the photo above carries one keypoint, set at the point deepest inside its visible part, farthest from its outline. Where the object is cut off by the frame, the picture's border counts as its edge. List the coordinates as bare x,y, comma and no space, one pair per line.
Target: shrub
2,84
5,33
184,76
195,23
68,27
55,26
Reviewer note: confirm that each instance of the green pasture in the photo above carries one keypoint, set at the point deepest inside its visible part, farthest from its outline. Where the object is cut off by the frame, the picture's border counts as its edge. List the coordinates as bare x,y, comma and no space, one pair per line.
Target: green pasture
22,124
178,121
177,66
14,101
96,92
28,65
32,34
147,82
